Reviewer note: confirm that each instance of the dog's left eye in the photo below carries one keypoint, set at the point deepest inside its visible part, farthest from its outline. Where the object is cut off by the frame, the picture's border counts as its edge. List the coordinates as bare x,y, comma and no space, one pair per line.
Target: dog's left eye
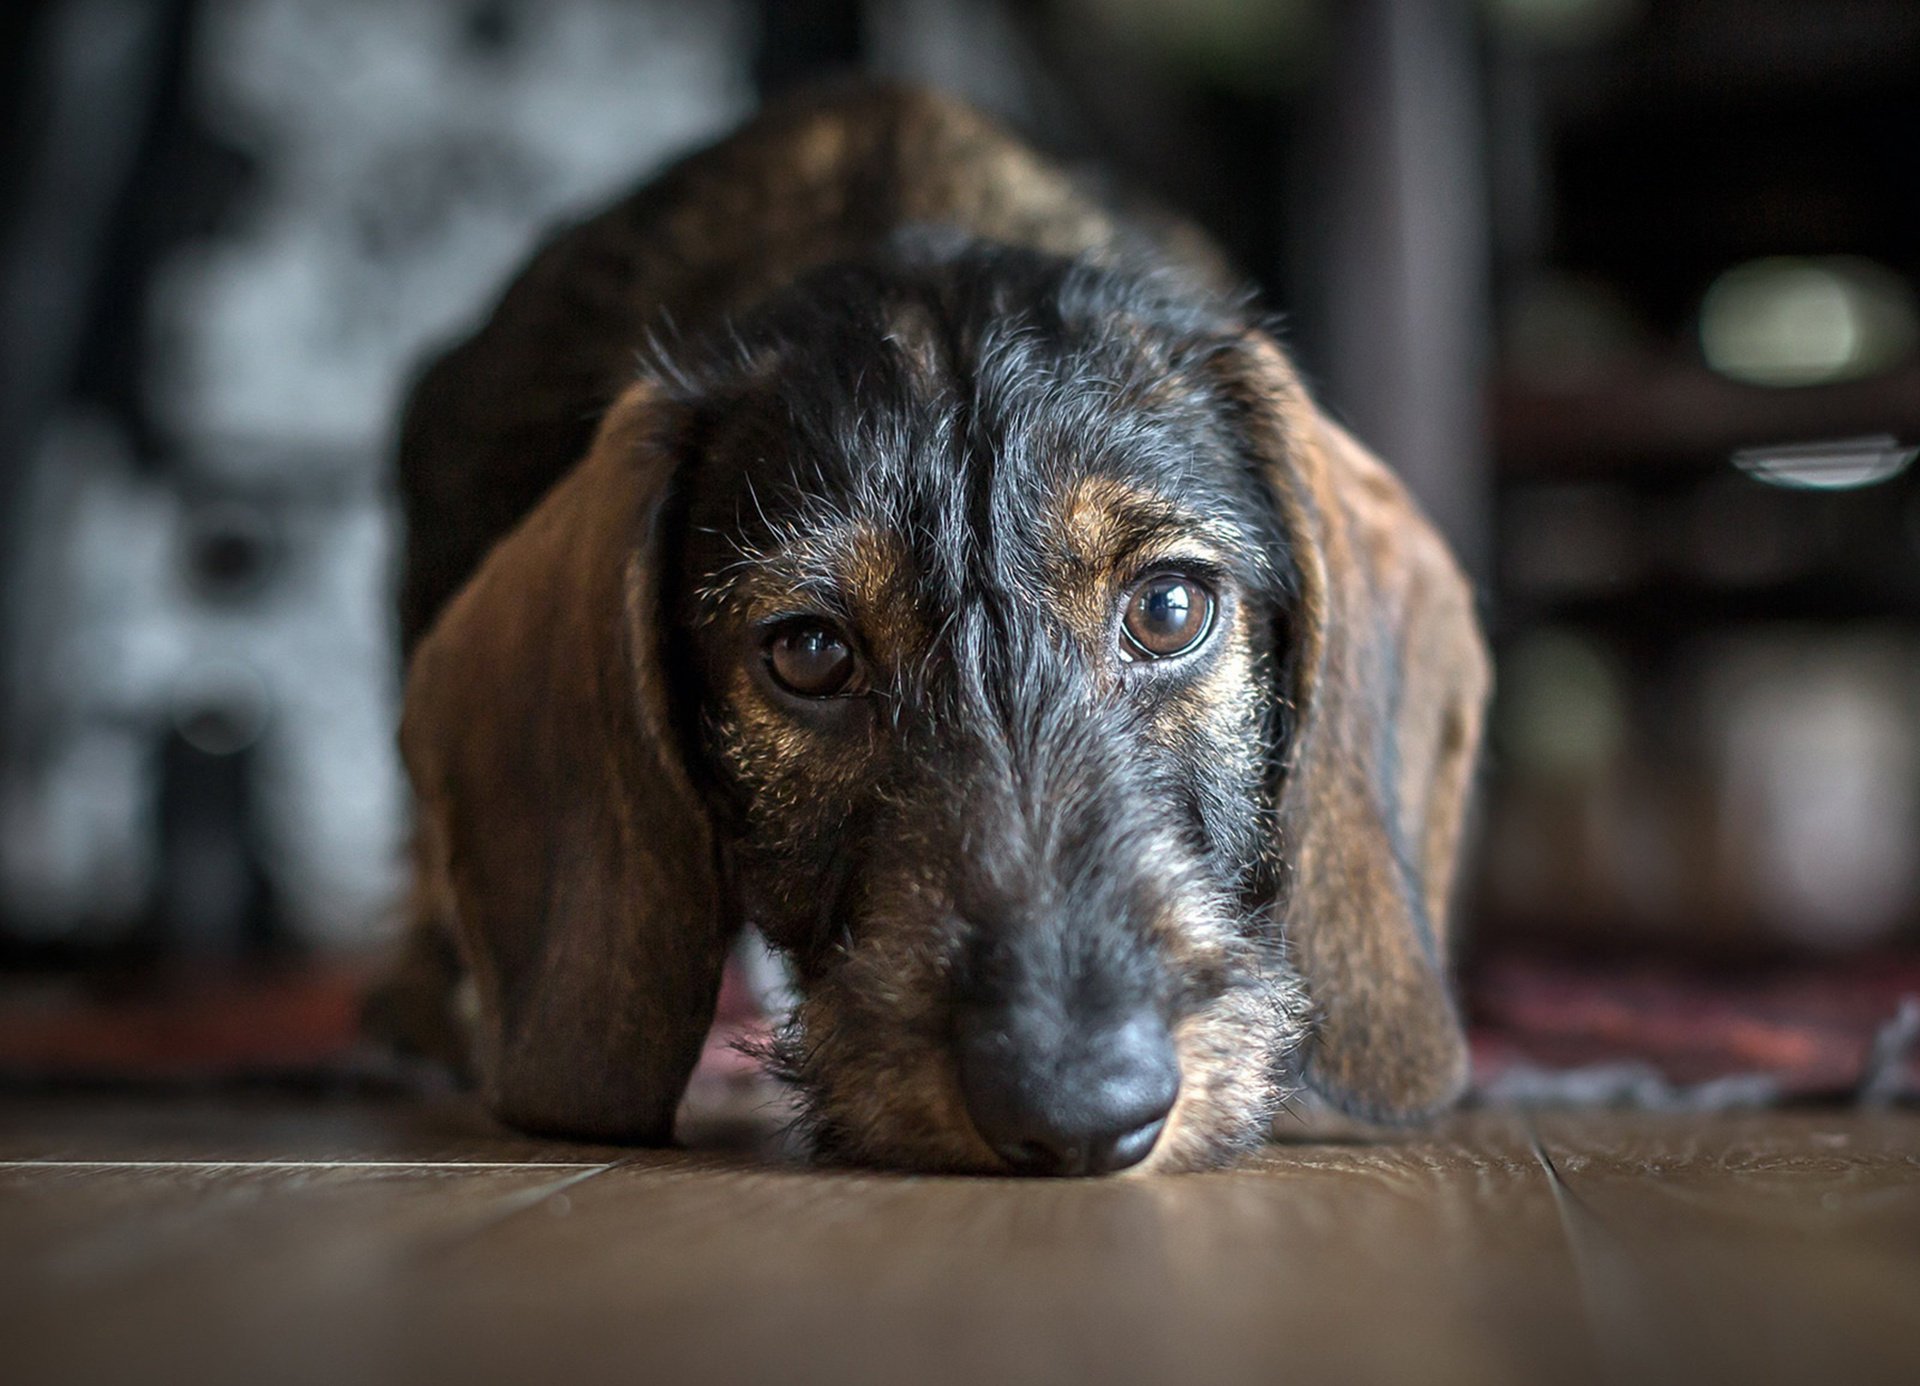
1167,615
811,659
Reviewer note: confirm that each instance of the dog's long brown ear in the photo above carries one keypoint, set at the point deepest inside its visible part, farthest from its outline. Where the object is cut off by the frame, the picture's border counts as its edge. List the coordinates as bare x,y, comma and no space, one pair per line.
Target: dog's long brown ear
557,813
1389,680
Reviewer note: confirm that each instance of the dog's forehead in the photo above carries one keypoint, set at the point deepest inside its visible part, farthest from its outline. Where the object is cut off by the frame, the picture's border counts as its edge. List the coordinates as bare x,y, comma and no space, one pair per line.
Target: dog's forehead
941,458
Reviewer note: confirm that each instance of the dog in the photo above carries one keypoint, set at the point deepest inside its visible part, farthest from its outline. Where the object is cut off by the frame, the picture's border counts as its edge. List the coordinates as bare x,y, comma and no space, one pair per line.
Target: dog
865,531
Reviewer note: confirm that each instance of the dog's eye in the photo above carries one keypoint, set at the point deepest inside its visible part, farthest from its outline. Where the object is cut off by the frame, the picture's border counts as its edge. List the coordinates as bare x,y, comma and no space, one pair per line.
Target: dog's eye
810,659
1166,615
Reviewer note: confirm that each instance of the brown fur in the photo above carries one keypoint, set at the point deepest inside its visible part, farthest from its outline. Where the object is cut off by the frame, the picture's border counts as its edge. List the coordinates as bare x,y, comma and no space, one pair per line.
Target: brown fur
568,851
1392,683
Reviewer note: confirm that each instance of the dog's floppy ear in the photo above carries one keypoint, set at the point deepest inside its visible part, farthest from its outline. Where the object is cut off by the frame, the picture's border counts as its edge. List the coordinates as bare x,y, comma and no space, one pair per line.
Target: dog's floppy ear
556,809
1389,677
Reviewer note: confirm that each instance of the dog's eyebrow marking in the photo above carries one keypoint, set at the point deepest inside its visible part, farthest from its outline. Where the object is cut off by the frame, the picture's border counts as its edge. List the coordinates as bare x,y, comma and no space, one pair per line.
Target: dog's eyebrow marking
851,570
1102,531
1105,524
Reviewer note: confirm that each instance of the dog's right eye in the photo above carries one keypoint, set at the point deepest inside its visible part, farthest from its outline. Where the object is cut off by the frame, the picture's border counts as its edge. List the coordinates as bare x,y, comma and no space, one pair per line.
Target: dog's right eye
810,659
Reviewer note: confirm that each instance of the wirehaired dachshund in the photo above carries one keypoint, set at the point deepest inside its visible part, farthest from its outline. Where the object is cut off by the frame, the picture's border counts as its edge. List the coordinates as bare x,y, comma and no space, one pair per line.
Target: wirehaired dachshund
865,532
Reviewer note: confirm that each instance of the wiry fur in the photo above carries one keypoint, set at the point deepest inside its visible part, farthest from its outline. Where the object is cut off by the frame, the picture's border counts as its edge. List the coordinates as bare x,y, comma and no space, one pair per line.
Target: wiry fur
895,372
901,445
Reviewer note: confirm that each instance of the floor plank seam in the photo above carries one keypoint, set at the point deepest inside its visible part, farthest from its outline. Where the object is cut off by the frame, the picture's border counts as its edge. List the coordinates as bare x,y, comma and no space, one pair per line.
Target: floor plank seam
1612,1295
551,1195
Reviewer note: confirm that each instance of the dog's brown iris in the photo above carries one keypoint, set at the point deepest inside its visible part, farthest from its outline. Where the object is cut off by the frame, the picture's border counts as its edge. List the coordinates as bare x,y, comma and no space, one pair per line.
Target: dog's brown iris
810,659
1167,615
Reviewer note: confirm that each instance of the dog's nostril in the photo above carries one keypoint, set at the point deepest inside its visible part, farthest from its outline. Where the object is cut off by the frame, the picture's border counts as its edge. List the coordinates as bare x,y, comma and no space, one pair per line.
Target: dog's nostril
1131,1148
1098,1108
1078,1152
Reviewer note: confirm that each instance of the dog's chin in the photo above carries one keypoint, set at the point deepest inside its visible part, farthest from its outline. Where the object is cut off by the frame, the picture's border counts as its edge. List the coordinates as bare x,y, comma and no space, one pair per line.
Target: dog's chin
892,1101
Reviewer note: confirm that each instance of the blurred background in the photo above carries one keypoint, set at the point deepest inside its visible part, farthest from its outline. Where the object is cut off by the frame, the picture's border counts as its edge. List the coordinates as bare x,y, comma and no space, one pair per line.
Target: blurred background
1625,288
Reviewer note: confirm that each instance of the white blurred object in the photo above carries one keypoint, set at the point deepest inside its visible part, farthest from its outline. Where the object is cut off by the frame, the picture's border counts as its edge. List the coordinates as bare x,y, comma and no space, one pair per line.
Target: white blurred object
118,645
1840,464
1783,321
1819,742
414,159
237,591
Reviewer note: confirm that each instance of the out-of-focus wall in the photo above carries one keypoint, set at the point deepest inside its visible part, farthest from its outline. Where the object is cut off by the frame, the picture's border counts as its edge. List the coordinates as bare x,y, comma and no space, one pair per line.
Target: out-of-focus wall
1626,289
286,203
1705,418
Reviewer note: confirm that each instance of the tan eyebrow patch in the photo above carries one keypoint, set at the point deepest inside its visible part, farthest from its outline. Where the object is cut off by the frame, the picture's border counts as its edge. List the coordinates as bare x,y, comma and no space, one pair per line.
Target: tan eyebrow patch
858,569
1088,518
1102,521
1107,531
874,579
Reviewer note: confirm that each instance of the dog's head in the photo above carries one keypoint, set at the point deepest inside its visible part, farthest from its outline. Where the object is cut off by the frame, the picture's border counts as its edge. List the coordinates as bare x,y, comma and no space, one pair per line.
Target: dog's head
1014,644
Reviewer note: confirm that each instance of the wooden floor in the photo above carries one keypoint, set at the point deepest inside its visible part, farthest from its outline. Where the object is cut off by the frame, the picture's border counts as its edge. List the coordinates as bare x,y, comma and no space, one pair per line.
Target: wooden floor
369,1242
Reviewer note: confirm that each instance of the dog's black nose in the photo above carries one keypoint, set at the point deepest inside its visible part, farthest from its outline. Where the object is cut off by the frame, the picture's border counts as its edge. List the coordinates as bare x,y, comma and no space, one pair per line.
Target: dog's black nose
1069,1103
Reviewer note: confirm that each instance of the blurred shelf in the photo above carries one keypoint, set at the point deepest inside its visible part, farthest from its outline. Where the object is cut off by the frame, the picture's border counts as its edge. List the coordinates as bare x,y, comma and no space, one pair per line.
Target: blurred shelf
1678,419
